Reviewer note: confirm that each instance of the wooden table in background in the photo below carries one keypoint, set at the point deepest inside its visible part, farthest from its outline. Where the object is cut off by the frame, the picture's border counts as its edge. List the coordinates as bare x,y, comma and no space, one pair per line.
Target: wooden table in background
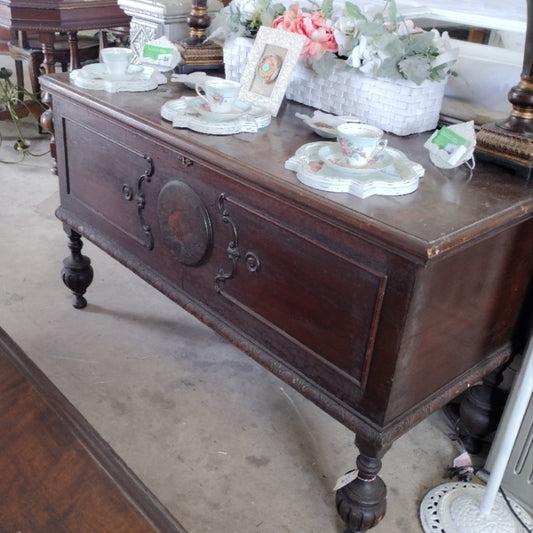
46,17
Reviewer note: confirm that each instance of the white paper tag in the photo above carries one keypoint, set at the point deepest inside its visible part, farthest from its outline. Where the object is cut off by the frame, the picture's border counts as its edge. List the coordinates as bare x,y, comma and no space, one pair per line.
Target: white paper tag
462,460
345,479
451,146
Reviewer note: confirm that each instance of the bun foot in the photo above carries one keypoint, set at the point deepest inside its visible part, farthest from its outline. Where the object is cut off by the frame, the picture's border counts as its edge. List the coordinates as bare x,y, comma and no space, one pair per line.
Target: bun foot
362,504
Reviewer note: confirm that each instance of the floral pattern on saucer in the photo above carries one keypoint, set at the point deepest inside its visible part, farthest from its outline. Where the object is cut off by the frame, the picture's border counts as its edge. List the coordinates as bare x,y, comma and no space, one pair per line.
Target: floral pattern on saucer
400,176
185,112
201,107
332,156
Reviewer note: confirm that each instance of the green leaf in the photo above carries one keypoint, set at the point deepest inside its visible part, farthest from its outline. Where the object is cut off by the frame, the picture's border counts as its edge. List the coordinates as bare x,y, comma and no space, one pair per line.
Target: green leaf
372,29
353,11
415,68
391,45
327,8
393,17
324,66
418,43
389,69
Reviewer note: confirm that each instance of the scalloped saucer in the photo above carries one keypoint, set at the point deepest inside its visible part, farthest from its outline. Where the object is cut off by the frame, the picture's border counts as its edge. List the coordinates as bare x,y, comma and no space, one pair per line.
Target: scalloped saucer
401,176
99,70
202,108
332,157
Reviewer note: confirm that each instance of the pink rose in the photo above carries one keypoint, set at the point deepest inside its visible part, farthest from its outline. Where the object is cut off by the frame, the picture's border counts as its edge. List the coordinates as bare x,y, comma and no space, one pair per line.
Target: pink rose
320,37
289,20
314,26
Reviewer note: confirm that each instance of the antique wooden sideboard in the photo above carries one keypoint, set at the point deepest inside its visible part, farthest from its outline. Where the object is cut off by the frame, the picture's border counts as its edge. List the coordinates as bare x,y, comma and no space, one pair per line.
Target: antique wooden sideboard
378,310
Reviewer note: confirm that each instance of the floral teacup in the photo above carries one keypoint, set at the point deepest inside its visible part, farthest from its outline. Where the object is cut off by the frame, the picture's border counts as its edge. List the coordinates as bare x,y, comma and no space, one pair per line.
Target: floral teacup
220,95
359,143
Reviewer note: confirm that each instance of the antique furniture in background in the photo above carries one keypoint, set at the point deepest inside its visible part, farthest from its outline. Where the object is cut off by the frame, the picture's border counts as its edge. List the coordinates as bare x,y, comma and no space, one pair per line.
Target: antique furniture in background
379,310
48,17
27,49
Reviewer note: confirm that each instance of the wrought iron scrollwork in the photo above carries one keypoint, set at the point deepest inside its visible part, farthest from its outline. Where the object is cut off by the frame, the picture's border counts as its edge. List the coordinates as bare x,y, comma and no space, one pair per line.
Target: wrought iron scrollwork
233,245
251,260
140,200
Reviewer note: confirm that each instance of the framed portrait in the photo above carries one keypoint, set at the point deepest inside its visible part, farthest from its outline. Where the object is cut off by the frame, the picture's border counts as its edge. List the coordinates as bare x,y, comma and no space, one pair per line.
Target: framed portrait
269,67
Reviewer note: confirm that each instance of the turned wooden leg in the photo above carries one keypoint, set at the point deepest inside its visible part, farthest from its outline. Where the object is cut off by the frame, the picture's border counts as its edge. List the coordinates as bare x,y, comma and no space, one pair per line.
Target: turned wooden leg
73,49
480,411
77,272
363,502
48,46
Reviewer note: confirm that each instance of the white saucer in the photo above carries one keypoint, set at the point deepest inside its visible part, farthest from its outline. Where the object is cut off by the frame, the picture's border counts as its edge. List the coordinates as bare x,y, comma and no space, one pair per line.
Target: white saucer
99,70
202,108
402,176
325,124
332,157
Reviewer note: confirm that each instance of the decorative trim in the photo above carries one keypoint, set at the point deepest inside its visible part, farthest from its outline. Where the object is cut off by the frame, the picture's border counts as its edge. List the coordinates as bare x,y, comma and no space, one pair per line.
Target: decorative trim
141,202
233,245
507,145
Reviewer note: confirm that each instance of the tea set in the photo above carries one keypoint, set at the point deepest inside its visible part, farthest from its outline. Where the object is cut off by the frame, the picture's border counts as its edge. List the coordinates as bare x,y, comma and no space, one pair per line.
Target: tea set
117,73
358,161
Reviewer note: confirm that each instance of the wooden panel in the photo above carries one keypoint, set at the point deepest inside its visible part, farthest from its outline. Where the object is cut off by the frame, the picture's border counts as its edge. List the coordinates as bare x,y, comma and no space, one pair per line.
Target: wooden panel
321,300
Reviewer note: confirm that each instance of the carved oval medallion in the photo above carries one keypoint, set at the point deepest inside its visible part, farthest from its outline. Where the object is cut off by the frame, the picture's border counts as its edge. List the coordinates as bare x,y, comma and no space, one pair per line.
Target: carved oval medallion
184,223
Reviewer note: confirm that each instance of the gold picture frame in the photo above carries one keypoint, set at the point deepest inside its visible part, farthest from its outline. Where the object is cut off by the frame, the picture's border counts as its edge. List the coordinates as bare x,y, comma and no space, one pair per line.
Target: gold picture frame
269,67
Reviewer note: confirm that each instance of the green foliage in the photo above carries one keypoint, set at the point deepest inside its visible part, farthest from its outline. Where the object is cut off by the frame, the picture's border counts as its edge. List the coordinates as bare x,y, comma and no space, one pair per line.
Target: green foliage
12,100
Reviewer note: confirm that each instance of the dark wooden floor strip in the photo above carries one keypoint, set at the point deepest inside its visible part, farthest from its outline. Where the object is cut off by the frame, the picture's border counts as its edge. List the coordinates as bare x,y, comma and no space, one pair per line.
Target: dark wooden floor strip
57,475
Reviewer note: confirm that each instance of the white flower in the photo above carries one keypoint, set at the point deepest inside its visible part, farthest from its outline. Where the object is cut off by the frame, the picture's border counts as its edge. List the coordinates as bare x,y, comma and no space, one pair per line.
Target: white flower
447,54
365,57
345,31
246,9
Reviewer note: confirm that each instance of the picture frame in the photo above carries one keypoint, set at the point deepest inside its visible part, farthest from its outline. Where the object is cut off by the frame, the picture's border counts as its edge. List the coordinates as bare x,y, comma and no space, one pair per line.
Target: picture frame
268,69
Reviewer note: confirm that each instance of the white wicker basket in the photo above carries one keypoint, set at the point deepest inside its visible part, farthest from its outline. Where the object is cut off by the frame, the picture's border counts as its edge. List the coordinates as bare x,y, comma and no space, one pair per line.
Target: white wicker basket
400,107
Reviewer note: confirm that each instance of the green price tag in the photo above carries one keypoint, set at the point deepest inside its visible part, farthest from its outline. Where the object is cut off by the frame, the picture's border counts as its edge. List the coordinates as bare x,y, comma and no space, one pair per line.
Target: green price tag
157,53
446,137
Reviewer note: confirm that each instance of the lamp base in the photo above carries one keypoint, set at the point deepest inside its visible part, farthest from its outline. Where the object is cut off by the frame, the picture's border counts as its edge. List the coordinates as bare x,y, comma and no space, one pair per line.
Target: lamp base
506,147
206,56
454,508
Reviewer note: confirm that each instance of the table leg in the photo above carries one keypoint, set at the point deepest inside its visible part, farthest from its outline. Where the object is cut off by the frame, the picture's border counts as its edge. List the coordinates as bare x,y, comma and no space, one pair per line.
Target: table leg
73,48
77,271
47,40
362,502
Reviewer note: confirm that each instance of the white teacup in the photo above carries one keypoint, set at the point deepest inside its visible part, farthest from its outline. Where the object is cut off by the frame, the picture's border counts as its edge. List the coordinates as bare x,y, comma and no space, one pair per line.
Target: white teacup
117,60
359,143
219,94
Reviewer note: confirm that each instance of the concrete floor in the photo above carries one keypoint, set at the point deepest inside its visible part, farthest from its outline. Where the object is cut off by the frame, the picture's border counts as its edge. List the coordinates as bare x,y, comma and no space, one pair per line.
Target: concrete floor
226,446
